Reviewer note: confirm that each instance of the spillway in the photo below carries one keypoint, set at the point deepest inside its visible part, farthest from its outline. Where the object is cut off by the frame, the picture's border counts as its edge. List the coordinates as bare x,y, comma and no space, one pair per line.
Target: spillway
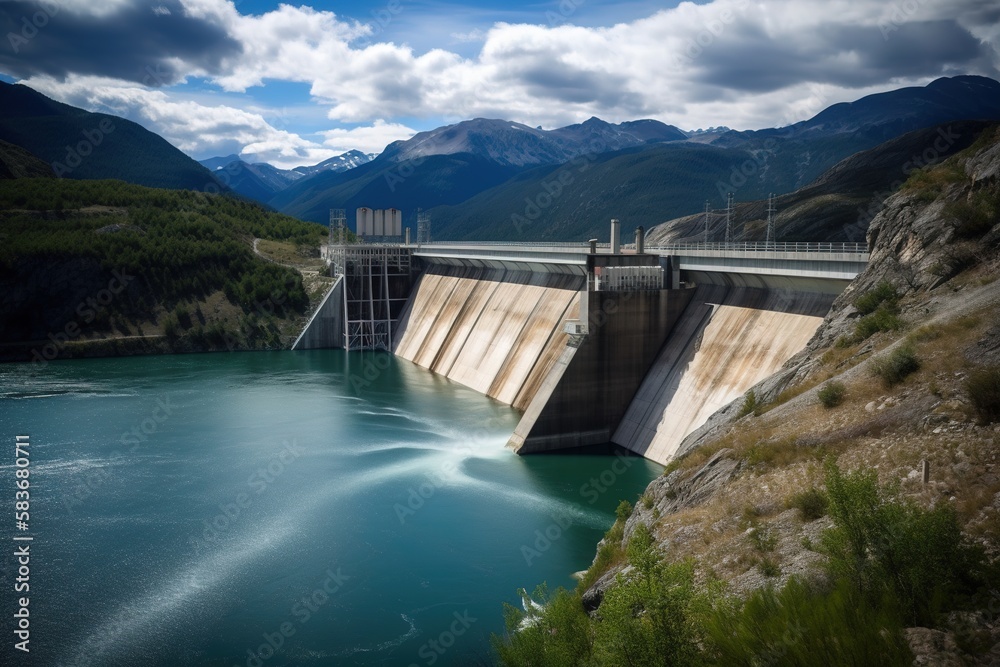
729,338
497,331
591,346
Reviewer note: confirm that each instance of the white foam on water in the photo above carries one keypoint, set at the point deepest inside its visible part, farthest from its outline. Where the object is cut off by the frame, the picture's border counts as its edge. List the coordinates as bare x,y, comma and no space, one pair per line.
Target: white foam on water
383,646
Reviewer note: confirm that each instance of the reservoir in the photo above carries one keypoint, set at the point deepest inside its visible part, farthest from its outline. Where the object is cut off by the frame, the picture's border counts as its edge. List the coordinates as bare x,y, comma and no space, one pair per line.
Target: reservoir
284,508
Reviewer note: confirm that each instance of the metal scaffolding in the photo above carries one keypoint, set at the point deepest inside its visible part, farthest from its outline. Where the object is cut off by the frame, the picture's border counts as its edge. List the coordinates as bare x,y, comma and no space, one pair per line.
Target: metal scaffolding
376,286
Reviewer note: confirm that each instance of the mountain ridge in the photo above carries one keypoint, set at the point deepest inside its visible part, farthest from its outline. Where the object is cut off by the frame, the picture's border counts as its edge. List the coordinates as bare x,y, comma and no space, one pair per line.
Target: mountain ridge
83,145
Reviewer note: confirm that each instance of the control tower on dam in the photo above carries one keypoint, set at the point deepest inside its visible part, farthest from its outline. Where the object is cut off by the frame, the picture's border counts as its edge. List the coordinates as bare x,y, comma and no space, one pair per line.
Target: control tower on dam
594,343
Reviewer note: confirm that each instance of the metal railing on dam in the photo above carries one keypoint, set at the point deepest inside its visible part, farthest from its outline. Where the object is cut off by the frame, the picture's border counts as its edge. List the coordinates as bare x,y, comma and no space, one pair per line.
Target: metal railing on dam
814,260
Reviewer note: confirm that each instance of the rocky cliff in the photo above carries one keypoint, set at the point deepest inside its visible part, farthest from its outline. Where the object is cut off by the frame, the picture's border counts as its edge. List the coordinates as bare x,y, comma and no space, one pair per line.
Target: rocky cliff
927,308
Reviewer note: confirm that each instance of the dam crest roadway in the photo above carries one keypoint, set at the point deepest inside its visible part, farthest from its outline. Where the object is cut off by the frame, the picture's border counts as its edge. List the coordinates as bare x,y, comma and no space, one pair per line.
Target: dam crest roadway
594,343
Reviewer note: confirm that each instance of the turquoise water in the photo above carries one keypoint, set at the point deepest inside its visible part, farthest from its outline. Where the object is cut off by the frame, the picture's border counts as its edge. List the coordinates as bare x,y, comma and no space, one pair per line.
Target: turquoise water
322,508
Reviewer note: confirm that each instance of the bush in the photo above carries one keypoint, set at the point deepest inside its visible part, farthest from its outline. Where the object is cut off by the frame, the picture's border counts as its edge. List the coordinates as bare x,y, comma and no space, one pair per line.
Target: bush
870,301
653,616
883,319
170,326
749,404
832,394
888,549
895,367
983,388
975,216
805,625
811,503
557,632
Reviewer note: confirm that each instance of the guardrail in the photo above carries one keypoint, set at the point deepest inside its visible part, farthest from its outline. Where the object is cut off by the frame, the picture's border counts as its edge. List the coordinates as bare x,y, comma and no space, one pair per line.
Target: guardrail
763,246
576,246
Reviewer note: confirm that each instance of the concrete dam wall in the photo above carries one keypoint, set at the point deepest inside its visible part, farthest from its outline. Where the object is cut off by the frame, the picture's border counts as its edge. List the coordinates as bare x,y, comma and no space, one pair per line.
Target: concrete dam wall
592,347
497,331
731,337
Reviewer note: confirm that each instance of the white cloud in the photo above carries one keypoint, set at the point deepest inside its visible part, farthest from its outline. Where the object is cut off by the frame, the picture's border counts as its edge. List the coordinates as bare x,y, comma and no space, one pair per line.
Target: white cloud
732,62
367,139
474,35
741,63
195,128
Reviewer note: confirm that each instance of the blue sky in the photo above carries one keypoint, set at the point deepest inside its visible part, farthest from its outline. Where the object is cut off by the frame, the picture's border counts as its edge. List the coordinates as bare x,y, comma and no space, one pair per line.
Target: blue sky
294,84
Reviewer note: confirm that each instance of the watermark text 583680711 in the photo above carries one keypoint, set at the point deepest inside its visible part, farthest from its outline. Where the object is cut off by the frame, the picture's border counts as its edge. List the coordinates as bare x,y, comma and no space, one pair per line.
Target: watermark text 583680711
22,541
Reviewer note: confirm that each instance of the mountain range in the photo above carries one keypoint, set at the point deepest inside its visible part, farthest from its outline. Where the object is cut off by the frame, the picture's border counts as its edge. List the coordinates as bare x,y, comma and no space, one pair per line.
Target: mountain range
261,181
491,179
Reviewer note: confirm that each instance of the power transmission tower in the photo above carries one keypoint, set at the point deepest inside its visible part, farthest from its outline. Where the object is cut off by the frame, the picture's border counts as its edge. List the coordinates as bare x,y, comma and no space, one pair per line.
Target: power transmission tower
770,218
338,226
707,208
729,217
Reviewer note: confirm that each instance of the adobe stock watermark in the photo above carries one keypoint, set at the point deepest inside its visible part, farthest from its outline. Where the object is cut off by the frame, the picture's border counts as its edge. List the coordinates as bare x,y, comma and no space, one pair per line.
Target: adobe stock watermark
591,491
931,155
566,9
31,25
304,609
139,434
553,187
87,311
711,30
417,496
900,13
371,370
398,175
75,154
382,17
433,649
216,527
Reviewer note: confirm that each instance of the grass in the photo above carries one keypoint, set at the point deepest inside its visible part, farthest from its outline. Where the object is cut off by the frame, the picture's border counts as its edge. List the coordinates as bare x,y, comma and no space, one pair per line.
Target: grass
289,253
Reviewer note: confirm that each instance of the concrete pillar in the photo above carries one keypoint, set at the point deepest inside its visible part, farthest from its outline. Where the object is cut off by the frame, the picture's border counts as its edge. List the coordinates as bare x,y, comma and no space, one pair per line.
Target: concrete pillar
640,241
593,246
407,236
616,236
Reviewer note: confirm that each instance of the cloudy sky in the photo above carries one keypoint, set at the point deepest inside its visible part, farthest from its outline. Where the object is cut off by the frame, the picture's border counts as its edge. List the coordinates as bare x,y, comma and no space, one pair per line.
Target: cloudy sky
295,84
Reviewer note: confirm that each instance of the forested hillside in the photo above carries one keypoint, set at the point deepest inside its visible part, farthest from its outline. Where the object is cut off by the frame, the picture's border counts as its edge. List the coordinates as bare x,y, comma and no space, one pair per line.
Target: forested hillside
86,260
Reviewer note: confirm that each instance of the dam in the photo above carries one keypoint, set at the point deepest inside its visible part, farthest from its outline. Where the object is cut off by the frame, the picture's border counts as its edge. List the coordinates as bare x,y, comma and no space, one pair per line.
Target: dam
592,343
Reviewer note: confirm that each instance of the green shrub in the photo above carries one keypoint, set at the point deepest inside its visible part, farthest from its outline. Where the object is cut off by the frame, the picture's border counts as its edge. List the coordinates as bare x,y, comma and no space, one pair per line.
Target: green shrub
623,511
983,389
896,366
558,633
800,624
652,617
870,301
889,549
749,404
811,503
832,394
183,316
768,567
884,318
762,540
975,216
170,326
